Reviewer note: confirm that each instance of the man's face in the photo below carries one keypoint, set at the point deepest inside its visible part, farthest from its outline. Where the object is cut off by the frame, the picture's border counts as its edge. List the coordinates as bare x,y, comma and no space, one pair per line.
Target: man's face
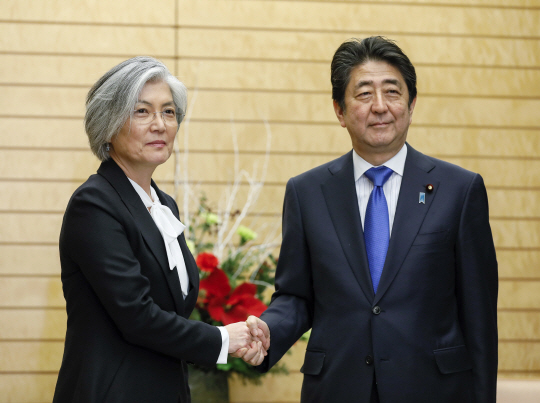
376,115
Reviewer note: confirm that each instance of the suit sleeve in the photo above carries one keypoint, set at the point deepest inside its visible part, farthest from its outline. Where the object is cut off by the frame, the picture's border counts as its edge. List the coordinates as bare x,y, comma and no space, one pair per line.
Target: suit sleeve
289,314
477,288
94,237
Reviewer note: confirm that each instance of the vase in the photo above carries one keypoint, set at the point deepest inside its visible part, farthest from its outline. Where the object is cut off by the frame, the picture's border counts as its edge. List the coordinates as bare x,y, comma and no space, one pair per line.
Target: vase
208,386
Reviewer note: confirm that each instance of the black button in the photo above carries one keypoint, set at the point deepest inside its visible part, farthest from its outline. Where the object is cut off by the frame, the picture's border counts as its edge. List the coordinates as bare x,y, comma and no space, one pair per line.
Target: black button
376,310
369,360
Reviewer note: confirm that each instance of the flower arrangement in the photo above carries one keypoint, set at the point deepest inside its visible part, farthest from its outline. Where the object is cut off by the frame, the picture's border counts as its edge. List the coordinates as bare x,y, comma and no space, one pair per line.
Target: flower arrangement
236,274
234,288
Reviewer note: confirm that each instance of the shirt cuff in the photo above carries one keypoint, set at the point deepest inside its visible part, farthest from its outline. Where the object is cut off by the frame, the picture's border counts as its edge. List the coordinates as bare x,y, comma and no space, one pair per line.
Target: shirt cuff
222,359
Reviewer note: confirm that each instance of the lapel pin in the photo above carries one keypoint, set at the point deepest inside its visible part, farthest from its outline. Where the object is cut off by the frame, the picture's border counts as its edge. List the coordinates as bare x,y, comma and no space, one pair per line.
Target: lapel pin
429,188
422,198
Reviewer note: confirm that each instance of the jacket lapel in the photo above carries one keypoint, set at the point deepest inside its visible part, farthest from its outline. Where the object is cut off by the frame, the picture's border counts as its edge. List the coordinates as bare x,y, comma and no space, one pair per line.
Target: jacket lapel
340,195
410,214
118,179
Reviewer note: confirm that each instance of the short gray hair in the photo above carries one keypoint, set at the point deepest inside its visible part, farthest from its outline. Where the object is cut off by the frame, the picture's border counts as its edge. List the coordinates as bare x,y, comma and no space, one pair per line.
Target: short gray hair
111,100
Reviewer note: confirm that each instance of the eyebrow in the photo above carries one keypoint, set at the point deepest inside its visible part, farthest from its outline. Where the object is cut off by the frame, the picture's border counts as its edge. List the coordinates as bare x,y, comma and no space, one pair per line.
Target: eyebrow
393,81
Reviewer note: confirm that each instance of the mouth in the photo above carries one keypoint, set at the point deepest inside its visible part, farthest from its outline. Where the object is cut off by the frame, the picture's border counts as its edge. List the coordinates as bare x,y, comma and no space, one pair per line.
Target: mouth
157,143
380,124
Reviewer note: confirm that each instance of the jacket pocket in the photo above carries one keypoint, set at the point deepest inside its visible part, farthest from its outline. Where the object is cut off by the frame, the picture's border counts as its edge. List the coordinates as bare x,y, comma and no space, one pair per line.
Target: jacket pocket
453,359
313,363
431,238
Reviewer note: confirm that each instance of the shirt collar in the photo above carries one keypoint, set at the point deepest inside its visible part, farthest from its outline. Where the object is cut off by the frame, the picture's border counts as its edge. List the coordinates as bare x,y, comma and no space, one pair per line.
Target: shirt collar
148,202
396,163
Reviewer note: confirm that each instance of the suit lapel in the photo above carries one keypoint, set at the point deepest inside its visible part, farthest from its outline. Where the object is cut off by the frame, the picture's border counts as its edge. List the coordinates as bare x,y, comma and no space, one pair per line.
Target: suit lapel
117,178
340,195
409,214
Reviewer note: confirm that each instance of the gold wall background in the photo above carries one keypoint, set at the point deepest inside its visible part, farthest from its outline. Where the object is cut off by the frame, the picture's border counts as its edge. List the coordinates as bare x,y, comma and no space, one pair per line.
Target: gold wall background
478,63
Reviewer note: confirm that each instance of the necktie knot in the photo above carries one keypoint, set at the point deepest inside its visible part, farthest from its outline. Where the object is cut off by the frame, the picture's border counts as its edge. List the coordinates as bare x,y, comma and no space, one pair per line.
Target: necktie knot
378,175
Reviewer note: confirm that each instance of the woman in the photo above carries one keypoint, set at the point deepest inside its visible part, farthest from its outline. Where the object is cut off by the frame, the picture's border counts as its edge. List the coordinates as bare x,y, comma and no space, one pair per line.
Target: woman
129,280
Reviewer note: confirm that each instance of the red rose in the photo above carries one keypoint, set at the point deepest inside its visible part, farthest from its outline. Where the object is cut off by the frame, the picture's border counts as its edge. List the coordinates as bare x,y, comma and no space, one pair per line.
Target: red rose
207,262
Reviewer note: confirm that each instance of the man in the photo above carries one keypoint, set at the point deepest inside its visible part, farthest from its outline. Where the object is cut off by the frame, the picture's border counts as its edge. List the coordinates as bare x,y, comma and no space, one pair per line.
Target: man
397,280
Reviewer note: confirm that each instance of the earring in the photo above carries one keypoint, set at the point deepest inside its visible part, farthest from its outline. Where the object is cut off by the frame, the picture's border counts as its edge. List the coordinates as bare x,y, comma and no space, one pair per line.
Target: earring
107,148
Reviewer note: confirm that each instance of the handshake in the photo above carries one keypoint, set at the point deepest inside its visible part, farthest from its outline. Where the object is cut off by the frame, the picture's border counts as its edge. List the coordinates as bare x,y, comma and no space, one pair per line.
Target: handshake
249,340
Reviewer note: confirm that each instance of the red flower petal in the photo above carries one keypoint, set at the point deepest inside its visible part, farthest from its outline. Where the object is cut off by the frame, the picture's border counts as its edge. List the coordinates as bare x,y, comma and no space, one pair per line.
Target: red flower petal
216,284
207,261
240,312
244,289
216,312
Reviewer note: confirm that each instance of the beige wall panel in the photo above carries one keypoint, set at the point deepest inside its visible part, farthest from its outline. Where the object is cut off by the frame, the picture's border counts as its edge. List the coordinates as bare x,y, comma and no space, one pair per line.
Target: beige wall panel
291,76
502,172
77,165
475,142
30,228
270,199
519,294
86,39
31,356
295,107
315,46
275,388
28,292
471,51
285,137
32,324
117,12
519,356
44,132
29,259
27,388
459,3
58,70
254,74
478,81
477,112
519,234
514,203
38,196
65,165
43,101
519,325
345,17
519,263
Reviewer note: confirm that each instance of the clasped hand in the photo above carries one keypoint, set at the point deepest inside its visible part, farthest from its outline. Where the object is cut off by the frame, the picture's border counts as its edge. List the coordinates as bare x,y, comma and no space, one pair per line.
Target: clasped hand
249,340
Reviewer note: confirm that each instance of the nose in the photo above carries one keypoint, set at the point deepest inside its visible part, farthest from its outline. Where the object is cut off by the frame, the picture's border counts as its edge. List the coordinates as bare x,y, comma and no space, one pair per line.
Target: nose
159,121
379,104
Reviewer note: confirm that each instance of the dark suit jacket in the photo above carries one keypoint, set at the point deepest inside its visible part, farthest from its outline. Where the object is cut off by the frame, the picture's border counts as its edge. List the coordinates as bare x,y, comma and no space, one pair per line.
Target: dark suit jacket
430,333
128,337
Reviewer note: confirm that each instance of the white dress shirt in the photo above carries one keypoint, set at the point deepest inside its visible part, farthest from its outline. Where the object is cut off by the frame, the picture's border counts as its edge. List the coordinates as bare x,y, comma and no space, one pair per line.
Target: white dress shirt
169,226
391,188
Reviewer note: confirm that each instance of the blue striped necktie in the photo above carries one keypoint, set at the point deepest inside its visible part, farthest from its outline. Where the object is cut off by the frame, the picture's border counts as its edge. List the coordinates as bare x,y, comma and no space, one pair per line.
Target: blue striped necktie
376,226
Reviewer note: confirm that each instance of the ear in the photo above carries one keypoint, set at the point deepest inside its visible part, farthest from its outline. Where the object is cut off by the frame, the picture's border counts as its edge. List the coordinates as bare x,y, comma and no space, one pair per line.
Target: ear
340,113
411,109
